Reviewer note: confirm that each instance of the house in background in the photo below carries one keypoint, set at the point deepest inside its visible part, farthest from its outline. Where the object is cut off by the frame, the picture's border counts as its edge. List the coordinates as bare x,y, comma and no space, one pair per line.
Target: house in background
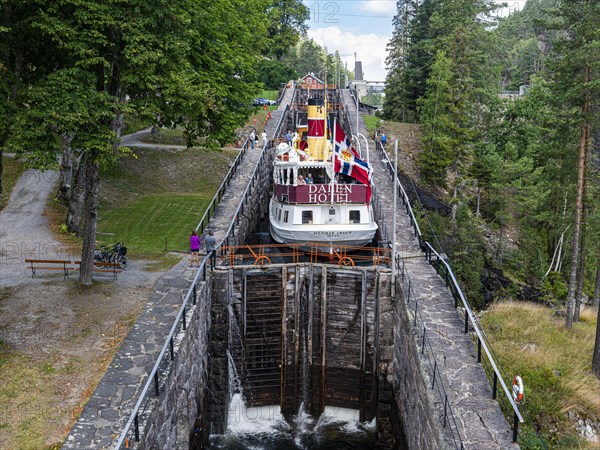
311,81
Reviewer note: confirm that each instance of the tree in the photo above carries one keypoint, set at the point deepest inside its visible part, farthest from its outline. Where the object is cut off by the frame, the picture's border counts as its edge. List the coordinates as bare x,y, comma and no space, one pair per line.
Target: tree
189,62
576,63
18,47
273,73
306,57
287,23
396,94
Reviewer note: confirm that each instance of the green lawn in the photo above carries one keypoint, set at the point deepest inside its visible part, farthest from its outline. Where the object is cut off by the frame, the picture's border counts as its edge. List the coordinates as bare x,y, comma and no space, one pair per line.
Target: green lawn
11,172
152,201
155,223
269,94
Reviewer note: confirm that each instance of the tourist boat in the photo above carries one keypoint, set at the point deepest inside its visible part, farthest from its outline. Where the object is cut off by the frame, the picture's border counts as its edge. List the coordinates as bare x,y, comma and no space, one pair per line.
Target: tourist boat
322,188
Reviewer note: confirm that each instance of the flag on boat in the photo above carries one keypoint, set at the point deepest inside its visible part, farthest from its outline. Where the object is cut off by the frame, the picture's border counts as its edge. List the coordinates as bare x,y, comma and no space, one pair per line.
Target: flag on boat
347,162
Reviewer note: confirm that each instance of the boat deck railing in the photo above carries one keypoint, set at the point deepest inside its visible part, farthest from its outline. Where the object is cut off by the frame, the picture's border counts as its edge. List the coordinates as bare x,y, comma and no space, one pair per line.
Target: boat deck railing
261,255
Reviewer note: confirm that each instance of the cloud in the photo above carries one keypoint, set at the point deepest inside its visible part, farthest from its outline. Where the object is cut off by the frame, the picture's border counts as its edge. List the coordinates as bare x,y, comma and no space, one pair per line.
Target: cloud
383,8
370,49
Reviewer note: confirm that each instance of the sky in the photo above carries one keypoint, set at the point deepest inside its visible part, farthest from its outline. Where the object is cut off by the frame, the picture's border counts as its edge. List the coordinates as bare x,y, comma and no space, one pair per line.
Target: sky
361,26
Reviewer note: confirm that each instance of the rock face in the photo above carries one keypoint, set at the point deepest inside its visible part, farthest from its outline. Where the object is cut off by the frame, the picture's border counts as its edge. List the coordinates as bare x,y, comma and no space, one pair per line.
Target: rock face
586,428
544,44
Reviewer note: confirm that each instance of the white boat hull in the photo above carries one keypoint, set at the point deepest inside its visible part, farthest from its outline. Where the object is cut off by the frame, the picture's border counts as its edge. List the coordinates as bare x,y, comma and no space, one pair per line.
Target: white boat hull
331,235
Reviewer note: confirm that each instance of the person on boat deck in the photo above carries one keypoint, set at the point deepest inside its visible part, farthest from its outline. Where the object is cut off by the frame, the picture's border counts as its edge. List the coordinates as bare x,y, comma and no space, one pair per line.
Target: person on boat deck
288,137
301,180
309,179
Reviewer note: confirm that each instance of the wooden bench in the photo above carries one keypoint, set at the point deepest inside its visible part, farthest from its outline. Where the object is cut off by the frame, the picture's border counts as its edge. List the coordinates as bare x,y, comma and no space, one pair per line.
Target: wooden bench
56,264
107,267
69,266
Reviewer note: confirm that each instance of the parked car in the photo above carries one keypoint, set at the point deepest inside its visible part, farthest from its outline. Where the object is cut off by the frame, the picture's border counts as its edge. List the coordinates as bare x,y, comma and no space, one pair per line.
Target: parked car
260,102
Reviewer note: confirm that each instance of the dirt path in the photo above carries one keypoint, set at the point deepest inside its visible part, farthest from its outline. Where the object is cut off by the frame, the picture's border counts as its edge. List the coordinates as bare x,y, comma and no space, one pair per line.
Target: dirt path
56,337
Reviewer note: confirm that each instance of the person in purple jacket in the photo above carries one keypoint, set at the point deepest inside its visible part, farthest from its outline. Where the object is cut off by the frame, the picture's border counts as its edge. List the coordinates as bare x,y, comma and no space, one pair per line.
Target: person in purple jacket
194,248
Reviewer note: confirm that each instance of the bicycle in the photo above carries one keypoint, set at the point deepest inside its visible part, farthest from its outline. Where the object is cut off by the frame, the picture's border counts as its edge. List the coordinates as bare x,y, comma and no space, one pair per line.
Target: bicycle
113,254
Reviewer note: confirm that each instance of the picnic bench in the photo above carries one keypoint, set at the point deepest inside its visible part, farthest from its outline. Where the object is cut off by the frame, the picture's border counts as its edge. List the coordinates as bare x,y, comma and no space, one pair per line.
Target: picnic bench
69,266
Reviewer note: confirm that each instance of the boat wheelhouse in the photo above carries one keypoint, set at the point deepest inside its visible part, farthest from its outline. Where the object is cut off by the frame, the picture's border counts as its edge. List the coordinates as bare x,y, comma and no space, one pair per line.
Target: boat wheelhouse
313,203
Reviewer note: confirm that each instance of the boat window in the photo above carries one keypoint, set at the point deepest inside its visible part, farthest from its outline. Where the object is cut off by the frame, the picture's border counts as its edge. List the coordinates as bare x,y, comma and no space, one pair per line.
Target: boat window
285,216
279,214
307,217
354,216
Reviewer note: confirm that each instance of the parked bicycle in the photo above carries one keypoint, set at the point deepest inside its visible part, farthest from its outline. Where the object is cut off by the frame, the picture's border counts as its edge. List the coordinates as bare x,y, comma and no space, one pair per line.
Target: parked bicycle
112,254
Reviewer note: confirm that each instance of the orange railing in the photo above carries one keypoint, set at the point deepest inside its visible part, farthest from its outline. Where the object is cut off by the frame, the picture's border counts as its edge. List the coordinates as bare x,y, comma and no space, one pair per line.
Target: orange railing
312,252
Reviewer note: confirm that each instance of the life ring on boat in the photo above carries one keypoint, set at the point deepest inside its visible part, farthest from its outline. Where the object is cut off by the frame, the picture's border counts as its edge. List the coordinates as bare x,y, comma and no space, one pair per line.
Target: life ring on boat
518,389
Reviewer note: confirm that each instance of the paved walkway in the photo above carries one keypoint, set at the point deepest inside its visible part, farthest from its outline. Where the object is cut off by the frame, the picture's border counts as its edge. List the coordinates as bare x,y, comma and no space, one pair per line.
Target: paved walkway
481,423
111,404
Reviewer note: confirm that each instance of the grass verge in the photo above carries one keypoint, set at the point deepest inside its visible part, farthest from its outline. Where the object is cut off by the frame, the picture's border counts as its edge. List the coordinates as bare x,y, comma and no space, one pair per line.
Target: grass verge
371,122
269,94
155,214
555,364
12,169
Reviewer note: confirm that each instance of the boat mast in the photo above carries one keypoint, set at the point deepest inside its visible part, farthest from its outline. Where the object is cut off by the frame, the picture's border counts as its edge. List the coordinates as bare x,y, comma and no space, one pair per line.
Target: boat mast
332,164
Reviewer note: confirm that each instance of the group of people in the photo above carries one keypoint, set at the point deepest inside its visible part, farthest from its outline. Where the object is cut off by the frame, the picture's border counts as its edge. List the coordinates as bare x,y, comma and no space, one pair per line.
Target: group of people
254,139
305,180
195,243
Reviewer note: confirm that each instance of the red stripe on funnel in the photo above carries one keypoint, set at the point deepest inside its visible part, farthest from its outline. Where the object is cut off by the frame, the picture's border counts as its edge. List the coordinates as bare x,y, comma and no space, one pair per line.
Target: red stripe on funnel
316,127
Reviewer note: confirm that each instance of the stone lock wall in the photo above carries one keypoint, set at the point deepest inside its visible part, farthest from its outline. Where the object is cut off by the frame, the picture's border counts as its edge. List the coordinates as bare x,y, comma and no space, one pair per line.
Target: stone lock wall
412,411
257,203
171,422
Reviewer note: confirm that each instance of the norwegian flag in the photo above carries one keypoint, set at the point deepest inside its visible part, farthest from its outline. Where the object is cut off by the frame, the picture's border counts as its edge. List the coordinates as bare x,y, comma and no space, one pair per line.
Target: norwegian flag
346,160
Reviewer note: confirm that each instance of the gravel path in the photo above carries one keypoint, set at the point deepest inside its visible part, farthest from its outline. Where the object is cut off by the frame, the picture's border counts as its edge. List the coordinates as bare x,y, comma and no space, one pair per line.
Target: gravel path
24,230
133,140
24,233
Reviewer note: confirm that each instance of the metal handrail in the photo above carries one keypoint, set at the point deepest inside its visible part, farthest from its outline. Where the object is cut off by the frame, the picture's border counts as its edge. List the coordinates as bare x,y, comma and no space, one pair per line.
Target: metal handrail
425,340
480,334
152,378
483,342
231,229
181,316
224,184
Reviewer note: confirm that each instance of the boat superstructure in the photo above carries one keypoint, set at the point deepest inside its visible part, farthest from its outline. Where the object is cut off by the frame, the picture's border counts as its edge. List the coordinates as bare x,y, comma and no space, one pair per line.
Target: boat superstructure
317,196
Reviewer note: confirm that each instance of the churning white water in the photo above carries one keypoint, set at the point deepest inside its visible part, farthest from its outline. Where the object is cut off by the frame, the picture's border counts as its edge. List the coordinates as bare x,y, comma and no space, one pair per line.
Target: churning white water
265,428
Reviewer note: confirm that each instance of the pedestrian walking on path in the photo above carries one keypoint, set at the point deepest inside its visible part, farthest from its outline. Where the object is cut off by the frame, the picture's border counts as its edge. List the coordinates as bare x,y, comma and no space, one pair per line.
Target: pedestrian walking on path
252,138
211,247
194,248
264,139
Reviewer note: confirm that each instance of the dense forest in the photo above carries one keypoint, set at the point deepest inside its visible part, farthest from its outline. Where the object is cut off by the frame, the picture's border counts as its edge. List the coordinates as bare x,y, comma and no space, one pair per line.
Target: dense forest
508,109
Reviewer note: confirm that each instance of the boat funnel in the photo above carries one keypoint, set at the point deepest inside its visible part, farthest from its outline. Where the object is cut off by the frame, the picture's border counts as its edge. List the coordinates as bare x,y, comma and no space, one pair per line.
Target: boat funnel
317,130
